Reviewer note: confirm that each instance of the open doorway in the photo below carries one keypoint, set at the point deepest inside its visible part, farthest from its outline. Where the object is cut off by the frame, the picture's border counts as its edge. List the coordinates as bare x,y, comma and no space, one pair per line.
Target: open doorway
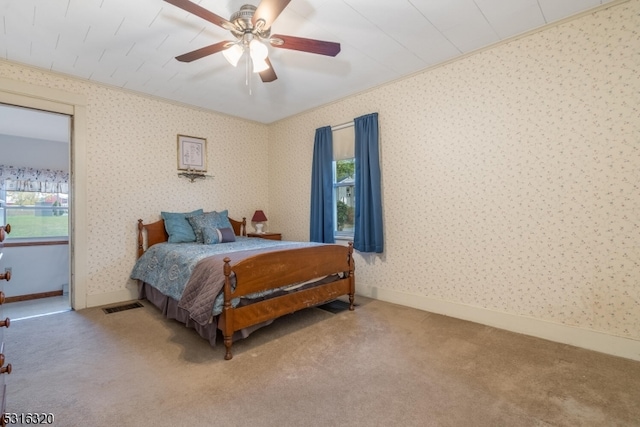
35,200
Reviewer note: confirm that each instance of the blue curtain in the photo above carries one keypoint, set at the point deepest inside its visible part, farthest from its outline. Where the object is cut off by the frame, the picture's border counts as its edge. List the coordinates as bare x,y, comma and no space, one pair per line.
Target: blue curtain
368,233
321,229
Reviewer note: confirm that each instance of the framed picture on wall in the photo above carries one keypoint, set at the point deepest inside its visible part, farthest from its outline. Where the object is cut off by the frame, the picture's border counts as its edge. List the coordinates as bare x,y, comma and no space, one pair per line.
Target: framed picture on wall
192,153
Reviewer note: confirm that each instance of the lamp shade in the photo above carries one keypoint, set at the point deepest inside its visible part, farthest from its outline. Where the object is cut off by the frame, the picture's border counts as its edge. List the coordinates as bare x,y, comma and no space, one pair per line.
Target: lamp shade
258,50
233,54
260,66
259,216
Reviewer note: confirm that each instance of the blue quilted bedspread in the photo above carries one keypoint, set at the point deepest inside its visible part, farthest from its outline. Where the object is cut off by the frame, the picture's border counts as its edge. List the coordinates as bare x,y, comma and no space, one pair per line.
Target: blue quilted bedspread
168,266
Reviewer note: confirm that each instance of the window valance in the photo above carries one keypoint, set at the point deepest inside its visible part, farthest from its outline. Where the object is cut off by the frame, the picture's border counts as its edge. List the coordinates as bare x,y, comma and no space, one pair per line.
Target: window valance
29,179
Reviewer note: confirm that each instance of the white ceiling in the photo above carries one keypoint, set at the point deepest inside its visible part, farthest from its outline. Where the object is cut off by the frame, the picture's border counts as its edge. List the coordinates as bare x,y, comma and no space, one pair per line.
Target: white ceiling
132,44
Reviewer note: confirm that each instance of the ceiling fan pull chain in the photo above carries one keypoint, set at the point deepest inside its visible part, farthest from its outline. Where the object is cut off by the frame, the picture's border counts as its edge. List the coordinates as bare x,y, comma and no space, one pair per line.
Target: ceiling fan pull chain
247,73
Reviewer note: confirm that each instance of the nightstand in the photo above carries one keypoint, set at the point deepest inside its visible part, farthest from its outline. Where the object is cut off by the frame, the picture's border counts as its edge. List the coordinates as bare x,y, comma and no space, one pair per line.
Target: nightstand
266,235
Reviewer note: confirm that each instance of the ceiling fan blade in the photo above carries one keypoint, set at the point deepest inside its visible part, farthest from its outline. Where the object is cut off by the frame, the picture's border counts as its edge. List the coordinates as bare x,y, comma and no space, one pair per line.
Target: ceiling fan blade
202,13
268,11
305,45
204,51
269,74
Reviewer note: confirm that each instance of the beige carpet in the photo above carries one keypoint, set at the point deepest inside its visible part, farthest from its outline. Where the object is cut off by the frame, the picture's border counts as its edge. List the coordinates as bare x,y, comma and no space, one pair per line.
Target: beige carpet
380,365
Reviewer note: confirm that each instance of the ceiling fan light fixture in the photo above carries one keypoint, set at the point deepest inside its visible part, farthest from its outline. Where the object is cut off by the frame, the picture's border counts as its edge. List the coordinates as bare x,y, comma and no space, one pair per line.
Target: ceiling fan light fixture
259,65
233,54
258,50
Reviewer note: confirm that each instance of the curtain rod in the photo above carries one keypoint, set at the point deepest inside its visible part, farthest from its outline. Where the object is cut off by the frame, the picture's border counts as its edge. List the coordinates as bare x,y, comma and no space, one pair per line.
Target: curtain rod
342,126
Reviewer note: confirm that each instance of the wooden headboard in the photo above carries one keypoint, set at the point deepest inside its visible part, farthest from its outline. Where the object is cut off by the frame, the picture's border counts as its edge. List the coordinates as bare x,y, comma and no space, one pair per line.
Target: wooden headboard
156,233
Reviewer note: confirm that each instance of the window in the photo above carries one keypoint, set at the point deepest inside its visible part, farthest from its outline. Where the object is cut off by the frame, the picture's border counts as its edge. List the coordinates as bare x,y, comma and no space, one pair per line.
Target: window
343,181
35,215
34,202
346,193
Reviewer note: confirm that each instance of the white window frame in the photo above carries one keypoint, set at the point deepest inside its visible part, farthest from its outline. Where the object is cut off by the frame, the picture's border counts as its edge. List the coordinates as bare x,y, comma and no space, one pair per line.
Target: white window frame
4,208
341,234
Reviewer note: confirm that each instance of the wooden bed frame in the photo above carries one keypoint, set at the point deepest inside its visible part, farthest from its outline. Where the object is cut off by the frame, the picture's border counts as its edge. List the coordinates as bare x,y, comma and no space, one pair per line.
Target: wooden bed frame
268,271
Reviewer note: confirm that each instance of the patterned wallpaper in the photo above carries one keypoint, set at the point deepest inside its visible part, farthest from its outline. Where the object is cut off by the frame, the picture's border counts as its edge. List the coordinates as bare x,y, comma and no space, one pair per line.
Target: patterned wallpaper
132,168
510,177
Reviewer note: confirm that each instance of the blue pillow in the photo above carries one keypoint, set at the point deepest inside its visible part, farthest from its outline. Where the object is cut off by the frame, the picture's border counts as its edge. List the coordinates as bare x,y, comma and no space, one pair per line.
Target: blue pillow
212,236
178,227
208,220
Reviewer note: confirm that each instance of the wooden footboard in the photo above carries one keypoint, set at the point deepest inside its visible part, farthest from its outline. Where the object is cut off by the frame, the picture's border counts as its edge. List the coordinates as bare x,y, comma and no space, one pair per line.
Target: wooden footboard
275,269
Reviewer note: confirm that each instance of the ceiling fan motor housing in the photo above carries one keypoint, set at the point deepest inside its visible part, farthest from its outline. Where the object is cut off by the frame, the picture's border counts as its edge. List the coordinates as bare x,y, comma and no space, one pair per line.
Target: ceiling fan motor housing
242,20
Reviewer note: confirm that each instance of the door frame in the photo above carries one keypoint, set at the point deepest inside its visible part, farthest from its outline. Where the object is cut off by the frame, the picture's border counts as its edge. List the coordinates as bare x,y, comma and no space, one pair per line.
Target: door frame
44,98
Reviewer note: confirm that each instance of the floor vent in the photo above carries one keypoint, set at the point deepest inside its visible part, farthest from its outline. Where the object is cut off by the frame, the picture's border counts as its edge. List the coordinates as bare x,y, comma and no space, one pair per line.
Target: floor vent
122,307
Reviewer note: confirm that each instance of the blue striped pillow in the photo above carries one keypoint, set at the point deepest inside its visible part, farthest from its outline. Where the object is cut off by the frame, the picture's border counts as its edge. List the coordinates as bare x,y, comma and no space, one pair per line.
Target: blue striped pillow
212,236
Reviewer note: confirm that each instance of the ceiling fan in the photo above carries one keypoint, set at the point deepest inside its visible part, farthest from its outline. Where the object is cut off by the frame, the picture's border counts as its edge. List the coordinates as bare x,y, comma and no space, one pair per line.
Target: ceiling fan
251,27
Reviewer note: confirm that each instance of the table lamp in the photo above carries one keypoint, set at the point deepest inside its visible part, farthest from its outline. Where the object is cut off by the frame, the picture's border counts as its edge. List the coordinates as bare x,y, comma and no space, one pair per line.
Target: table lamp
258,218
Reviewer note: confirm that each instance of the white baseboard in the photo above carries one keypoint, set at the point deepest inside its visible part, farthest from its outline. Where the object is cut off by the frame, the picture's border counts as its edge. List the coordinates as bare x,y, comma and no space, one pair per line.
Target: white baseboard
123,295
584,338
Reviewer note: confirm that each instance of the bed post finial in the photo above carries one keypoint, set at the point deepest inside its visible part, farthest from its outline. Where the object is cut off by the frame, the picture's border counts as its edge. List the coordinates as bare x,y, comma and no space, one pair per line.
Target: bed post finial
350,257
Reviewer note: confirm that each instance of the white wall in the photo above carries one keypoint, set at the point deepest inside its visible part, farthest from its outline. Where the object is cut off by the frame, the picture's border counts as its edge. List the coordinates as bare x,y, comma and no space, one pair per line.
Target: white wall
36,269
34,153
